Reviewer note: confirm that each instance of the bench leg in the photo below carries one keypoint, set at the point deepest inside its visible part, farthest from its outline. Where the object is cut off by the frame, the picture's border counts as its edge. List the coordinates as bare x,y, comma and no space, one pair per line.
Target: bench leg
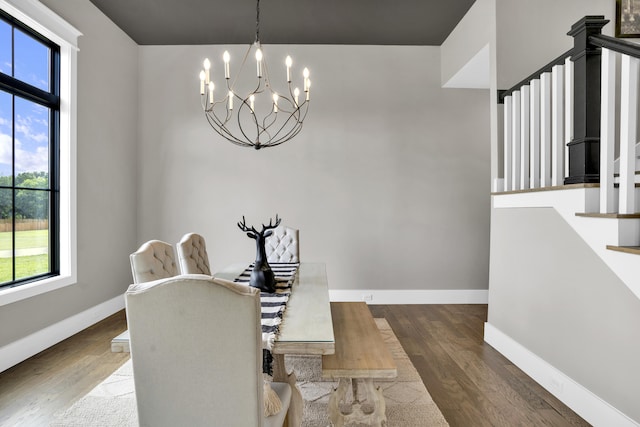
294,416
376,417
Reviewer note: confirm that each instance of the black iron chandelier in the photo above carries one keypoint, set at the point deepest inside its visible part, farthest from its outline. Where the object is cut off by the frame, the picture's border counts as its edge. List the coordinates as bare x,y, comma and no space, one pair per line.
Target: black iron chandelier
260,117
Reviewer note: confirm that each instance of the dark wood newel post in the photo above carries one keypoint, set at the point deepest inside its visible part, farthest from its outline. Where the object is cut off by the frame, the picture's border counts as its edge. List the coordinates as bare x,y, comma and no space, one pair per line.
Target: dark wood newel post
584,148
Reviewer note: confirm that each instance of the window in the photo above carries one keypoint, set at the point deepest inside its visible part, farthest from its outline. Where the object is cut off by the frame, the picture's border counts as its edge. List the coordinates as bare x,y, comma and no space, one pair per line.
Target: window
29,147
38,62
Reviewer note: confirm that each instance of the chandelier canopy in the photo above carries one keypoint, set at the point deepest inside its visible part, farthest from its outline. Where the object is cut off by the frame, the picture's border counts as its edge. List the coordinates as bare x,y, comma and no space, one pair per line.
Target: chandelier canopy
253,114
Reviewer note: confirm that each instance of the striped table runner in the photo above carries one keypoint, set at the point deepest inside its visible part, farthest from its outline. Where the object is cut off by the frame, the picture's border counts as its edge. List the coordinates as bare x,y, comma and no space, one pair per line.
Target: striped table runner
273,305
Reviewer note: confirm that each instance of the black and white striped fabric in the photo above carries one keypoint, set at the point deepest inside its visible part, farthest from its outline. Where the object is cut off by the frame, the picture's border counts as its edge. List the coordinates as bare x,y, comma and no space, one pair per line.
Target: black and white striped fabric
273,305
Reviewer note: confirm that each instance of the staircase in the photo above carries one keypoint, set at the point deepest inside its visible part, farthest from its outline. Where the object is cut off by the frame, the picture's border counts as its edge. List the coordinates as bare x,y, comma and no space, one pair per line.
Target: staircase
570,142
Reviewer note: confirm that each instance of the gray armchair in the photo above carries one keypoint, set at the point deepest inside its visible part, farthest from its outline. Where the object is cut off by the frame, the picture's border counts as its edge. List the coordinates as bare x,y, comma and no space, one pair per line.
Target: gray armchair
196,347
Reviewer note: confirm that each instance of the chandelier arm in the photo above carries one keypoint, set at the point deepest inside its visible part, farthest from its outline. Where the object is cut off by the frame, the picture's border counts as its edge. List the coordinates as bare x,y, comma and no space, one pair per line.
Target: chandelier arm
224,135
298,126
287,137
244,104
222,130
219,124
264,121
293,130
283,126
289,102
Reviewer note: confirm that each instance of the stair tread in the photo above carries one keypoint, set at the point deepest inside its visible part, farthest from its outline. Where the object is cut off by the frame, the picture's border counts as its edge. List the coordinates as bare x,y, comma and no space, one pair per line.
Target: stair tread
608,215
627,249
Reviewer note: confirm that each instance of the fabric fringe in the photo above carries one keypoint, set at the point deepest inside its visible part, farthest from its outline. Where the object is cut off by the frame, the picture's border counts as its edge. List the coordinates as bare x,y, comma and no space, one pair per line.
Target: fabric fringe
272,403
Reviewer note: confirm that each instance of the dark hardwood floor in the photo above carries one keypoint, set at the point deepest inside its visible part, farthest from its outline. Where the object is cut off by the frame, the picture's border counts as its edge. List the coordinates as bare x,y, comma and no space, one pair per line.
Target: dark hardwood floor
472,384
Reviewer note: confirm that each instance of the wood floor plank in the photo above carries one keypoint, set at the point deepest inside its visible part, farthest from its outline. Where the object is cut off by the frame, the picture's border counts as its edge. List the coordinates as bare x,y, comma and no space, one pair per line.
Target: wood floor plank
472,384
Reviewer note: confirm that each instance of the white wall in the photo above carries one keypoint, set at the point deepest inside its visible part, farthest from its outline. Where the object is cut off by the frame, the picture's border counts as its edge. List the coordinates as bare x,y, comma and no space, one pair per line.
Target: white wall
106,175
475,31
554,296
387,182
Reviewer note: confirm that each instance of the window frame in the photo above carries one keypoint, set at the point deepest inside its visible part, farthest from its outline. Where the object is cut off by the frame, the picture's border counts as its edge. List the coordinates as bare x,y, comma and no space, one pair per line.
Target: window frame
41,19
50,100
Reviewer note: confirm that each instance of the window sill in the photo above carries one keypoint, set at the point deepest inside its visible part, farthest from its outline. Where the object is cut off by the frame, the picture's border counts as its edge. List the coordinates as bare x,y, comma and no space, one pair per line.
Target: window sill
29,290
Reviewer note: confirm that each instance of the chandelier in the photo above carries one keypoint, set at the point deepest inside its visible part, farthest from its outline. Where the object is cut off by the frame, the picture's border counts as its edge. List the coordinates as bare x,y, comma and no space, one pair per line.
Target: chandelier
253,114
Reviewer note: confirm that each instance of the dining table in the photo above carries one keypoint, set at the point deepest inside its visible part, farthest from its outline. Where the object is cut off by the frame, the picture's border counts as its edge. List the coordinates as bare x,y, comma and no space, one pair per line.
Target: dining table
306,327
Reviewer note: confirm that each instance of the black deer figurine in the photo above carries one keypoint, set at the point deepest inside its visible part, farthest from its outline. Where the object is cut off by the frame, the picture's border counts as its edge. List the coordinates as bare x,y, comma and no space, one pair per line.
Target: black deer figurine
261,277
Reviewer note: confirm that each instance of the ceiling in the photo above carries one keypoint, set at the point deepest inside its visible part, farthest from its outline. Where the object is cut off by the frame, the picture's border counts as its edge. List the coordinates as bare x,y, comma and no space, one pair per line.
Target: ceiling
361,22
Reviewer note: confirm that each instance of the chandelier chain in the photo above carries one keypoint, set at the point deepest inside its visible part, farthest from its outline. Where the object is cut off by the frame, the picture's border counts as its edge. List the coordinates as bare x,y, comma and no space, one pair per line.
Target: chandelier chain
258,21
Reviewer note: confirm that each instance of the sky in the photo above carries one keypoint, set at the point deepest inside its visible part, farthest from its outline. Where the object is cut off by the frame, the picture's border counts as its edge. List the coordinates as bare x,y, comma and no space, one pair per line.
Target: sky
29,64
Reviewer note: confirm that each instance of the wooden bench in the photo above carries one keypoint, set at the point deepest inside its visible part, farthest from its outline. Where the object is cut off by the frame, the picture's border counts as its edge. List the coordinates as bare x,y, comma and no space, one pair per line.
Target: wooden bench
360,354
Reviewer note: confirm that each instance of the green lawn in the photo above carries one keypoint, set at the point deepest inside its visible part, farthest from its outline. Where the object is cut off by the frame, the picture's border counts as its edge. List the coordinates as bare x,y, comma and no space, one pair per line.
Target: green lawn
26,266
25,239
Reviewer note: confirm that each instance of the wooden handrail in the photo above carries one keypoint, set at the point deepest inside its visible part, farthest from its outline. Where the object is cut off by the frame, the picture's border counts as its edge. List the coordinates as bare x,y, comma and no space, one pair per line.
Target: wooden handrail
616,45
547,68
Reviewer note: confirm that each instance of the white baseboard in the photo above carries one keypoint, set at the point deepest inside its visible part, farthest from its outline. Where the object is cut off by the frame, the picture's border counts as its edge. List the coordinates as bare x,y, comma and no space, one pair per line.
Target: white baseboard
410,296
592,408
22,349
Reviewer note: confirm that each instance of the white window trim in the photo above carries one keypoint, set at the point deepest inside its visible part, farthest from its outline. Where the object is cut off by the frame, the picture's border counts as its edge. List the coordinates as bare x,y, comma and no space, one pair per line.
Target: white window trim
46,22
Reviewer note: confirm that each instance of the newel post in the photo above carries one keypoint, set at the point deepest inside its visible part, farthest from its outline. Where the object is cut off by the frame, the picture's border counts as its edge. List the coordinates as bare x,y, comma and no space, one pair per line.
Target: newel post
584,148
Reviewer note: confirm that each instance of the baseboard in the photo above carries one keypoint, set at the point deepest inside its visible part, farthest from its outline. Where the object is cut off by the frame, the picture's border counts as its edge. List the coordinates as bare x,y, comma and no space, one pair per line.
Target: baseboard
22,349
410,296
592,408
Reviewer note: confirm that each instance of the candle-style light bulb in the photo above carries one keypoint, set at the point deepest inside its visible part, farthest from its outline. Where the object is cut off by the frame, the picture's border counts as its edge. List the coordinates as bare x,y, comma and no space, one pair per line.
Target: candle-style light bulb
230,100
211,87
207,68
296,93
275,102
305,75
202,77
259,61
288,62
252,99
226,58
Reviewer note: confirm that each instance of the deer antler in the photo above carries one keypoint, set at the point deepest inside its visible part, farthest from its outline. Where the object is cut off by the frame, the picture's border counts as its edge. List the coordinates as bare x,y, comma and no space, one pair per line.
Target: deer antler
251,232
269,227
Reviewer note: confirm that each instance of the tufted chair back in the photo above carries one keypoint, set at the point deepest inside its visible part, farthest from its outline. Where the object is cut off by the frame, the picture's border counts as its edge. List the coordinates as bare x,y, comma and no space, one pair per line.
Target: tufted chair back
192,255
196,348
282,245
154,260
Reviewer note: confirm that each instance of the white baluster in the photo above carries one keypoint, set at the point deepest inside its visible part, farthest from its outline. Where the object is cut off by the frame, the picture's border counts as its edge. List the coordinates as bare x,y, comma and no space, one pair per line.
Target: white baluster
607,130
525,105
515,146
507,143
545,129
557,125
628,132
534,156
568,111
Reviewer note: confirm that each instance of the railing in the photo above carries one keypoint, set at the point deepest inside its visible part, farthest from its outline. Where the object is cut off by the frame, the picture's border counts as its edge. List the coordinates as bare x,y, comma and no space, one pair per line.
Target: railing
535,113
620,68
560,124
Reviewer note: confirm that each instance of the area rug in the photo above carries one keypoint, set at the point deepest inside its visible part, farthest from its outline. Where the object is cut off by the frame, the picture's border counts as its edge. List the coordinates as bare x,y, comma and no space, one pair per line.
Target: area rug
408,403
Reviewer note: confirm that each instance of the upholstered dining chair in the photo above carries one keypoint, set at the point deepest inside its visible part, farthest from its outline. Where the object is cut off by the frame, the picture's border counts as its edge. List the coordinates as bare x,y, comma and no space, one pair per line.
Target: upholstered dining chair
192,255
154,260
282,245
196,348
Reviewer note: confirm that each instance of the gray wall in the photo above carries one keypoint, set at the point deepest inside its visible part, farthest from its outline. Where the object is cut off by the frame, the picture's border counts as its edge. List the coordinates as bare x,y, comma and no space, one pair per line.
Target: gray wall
552,294
106,174
387,182
531,33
